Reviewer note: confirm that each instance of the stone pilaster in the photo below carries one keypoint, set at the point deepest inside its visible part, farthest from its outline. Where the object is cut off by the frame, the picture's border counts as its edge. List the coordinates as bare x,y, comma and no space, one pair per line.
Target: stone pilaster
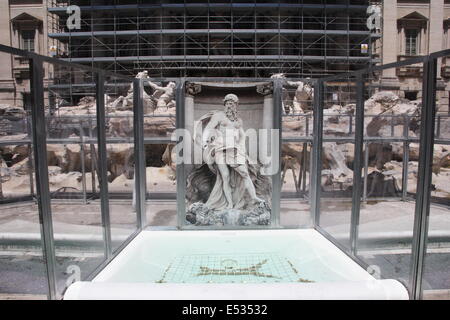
436,29
5,59
390,42
267,91
191,90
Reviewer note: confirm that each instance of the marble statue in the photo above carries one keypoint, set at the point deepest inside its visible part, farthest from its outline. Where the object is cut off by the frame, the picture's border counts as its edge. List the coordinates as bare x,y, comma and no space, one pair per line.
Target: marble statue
161,97
164,96
127,101
286,101
227,155
304,94
229,187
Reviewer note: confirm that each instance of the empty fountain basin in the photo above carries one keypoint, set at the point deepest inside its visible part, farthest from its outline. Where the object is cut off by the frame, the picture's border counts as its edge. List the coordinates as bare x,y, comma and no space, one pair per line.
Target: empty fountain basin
250,264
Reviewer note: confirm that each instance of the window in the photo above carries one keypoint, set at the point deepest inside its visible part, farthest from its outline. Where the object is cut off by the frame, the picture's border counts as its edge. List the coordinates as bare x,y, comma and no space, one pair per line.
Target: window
27,40
411,95
411,47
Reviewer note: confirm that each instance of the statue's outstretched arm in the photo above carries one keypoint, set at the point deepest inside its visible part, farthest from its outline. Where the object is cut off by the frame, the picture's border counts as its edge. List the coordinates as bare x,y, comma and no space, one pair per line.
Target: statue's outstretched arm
294,83
156,87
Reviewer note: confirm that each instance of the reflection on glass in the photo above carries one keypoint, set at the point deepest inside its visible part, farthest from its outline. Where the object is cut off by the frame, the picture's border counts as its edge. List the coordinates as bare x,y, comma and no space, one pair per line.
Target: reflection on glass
436,279
22,265
391,154
119,99
72,160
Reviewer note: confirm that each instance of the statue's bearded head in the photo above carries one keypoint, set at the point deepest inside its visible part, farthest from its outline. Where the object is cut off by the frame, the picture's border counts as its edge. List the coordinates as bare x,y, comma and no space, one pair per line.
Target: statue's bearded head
231,102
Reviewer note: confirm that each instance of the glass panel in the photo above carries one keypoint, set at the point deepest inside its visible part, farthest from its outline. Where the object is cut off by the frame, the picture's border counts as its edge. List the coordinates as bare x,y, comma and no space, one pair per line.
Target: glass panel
337,158
120,153
228,184
297,105
297,131
391,154
72,156
295,179
22,265
436,278
160,157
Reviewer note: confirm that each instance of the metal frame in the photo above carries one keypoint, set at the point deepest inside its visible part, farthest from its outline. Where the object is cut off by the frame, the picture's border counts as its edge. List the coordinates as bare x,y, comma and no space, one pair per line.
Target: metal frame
276,178
422,210
102,163
41,171
316,165
140,175
39,143
358,164
184,38
423,200
427,139
181,169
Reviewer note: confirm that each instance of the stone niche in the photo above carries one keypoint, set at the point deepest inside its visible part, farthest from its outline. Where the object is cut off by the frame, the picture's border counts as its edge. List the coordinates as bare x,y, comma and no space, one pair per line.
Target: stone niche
256,111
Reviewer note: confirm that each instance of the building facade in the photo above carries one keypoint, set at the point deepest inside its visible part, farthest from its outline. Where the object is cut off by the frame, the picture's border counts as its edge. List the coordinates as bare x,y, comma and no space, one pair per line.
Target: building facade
414,28
23,24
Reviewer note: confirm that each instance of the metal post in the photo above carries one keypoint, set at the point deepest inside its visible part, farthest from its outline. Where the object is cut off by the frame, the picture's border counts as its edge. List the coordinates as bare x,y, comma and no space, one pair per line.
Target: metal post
357,163
30,154
316,165
366,170
438,129
93,166
276,178
139,152
302,174
181,169
103,162
30,166
422,209
307,126
83,166
392,126
305,159
1,186
40,160
405,158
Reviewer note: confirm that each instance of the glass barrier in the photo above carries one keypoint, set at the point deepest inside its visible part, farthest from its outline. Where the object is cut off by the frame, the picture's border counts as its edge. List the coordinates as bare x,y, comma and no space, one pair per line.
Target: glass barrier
72,159
297,130
297,105
336,179
295,182
22,263
120,158
376,229
436,277
390,173
160,157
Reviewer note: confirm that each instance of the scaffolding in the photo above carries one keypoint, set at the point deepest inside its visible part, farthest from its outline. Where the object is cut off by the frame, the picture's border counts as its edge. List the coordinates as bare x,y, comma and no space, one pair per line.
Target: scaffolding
300,38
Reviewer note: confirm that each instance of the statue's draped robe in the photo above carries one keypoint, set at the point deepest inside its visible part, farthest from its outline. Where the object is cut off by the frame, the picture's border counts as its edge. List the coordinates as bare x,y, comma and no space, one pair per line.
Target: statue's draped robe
217,199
